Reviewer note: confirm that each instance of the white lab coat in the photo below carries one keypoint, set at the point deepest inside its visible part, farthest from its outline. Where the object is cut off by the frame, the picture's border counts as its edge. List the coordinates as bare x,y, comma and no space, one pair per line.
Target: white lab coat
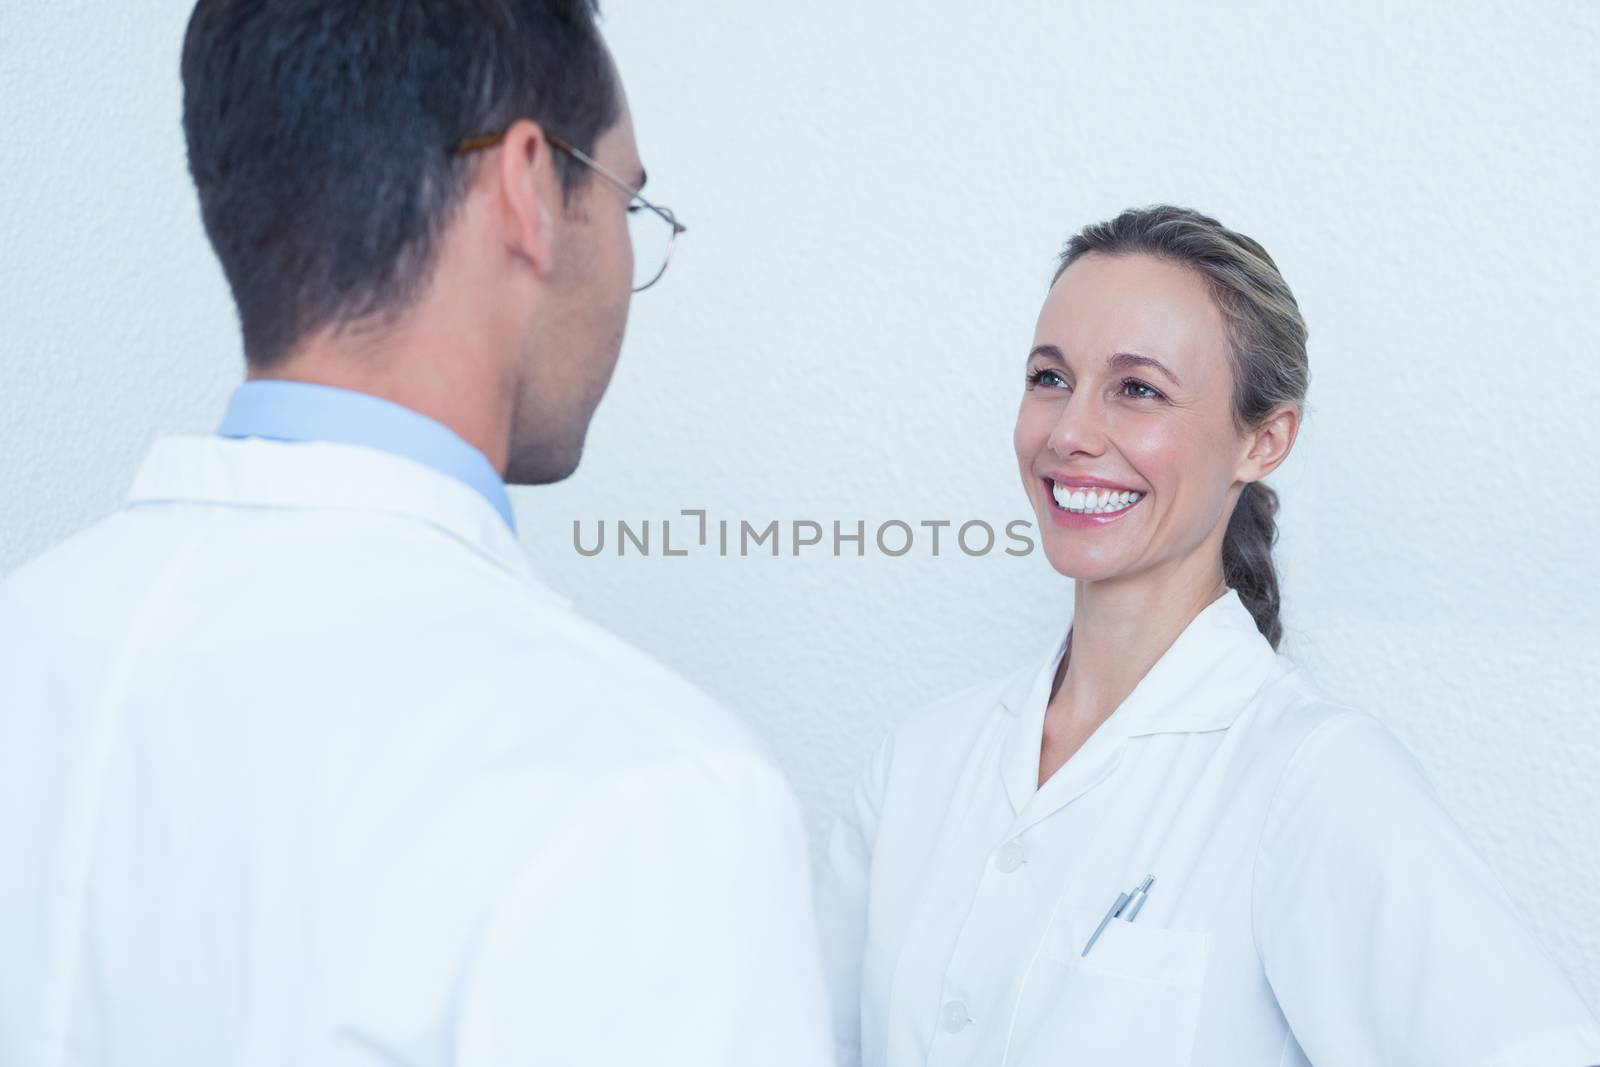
1312,901
300,765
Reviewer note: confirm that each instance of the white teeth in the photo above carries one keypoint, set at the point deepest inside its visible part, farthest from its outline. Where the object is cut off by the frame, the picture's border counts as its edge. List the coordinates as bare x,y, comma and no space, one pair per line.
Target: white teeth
1092,502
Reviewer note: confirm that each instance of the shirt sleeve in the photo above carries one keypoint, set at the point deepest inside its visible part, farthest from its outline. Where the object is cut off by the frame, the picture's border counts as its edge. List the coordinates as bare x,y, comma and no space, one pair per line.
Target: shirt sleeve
1384,935
842,893
671,924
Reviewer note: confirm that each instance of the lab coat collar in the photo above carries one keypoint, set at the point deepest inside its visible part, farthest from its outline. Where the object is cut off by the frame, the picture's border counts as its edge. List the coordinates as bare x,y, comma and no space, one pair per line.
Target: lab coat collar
254,472
1199,684
282,410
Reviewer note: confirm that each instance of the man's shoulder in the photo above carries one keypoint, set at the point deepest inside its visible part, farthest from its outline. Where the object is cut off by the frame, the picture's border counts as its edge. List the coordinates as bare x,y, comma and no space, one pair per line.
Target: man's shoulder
437,626
584,670
48,580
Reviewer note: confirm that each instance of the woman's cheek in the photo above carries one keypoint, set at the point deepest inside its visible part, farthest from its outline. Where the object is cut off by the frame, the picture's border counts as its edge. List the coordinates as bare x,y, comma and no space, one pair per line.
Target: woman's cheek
1031,434
1158,450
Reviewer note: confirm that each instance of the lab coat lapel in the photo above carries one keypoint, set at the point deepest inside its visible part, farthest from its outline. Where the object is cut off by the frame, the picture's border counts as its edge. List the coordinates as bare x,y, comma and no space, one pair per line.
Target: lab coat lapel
1026,697
1199,684
332,477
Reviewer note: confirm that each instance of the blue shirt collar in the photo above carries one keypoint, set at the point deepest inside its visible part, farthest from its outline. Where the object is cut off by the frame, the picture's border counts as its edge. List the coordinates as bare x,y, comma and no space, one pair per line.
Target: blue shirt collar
304,411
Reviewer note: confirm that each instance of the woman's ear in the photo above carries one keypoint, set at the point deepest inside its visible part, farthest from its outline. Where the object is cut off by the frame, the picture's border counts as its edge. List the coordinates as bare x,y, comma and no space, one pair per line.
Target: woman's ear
1270,443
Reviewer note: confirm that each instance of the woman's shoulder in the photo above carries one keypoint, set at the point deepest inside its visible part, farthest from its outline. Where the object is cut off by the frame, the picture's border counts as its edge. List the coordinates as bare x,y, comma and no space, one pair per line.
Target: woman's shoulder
996,693
1291,712
952,726
1329,760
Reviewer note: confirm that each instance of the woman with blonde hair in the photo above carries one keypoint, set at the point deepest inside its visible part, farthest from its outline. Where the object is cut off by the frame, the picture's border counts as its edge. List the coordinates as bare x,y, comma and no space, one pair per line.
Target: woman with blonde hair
1158,843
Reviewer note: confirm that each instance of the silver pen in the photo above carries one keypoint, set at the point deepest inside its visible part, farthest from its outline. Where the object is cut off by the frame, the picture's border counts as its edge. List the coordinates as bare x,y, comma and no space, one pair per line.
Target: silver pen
1126,908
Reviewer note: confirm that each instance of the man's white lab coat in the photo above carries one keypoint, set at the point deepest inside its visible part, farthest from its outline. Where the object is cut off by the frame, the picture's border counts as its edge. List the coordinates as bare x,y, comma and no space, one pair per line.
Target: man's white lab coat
300,765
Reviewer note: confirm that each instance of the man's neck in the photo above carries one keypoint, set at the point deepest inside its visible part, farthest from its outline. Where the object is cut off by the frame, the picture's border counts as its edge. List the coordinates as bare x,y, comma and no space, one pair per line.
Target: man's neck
438,380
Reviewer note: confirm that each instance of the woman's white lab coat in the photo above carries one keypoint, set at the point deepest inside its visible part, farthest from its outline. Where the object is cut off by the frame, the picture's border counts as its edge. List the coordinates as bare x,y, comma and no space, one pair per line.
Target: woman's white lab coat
1312,901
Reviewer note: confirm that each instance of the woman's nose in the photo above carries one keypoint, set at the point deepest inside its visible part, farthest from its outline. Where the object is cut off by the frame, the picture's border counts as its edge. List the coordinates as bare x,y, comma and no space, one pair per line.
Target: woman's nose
1079,428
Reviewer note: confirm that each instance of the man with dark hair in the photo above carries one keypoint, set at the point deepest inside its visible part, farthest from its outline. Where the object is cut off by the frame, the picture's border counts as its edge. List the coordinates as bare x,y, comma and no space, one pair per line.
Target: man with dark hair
301,763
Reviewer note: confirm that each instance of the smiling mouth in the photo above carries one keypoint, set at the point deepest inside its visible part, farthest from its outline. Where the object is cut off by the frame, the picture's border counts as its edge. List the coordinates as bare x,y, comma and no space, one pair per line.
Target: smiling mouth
1092,501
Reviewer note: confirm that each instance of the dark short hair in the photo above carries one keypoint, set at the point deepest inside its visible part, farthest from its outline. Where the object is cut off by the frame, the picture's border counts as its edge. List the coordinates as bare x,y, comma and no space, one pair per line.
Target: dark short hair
320,136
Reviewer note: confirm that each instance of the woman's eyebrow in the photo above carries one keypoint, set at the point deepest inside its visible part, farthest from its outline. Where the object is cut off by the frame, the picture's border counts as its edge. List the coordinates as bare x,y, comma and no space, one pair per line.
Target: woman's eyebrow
1133,359
1120,360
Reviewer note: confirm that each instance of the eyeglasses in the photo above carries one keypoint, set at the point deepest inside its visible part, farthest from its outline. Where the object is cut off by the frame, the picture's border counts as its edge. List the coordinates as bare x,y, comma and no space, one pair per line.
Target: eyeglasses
652,242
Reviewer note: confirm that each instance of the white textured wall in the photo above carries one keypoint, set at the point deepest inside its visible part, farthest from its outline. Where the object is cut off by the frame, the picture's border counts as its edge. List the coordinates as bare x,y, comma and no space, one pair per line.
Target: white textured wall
874,193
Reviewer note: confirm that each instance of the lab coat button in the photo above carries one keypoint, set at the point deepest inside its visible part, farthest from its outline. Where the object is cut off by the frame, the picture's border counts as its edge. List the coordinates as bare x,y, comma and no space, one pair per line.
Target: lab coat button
955,1017
1008,858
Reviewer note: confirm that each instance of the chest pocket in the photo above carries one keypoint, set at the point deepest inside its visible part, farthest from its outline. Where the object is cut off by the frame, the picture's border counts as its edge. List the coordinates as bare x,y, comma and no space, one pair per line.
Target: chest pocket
1134,1001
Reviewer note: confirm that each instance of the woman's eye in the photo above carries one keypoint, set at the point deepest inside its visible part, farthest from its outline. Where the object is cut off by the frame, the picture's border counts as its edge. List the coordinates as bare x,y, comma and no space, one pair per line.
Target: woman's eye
1138,390
1046,377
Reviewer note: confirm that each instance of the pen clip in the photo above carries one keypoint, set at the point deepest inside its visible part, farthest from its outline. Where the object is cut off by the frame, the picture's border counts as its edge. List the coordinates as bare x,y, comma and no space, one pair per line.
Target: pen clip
1116,908
1128,903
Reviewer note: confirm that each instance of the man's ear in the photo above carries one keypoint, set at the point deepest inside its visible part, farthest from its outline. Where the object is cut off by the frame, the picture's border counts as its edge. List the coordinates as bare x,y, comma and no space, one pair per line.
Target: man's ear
1269,443
529,187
